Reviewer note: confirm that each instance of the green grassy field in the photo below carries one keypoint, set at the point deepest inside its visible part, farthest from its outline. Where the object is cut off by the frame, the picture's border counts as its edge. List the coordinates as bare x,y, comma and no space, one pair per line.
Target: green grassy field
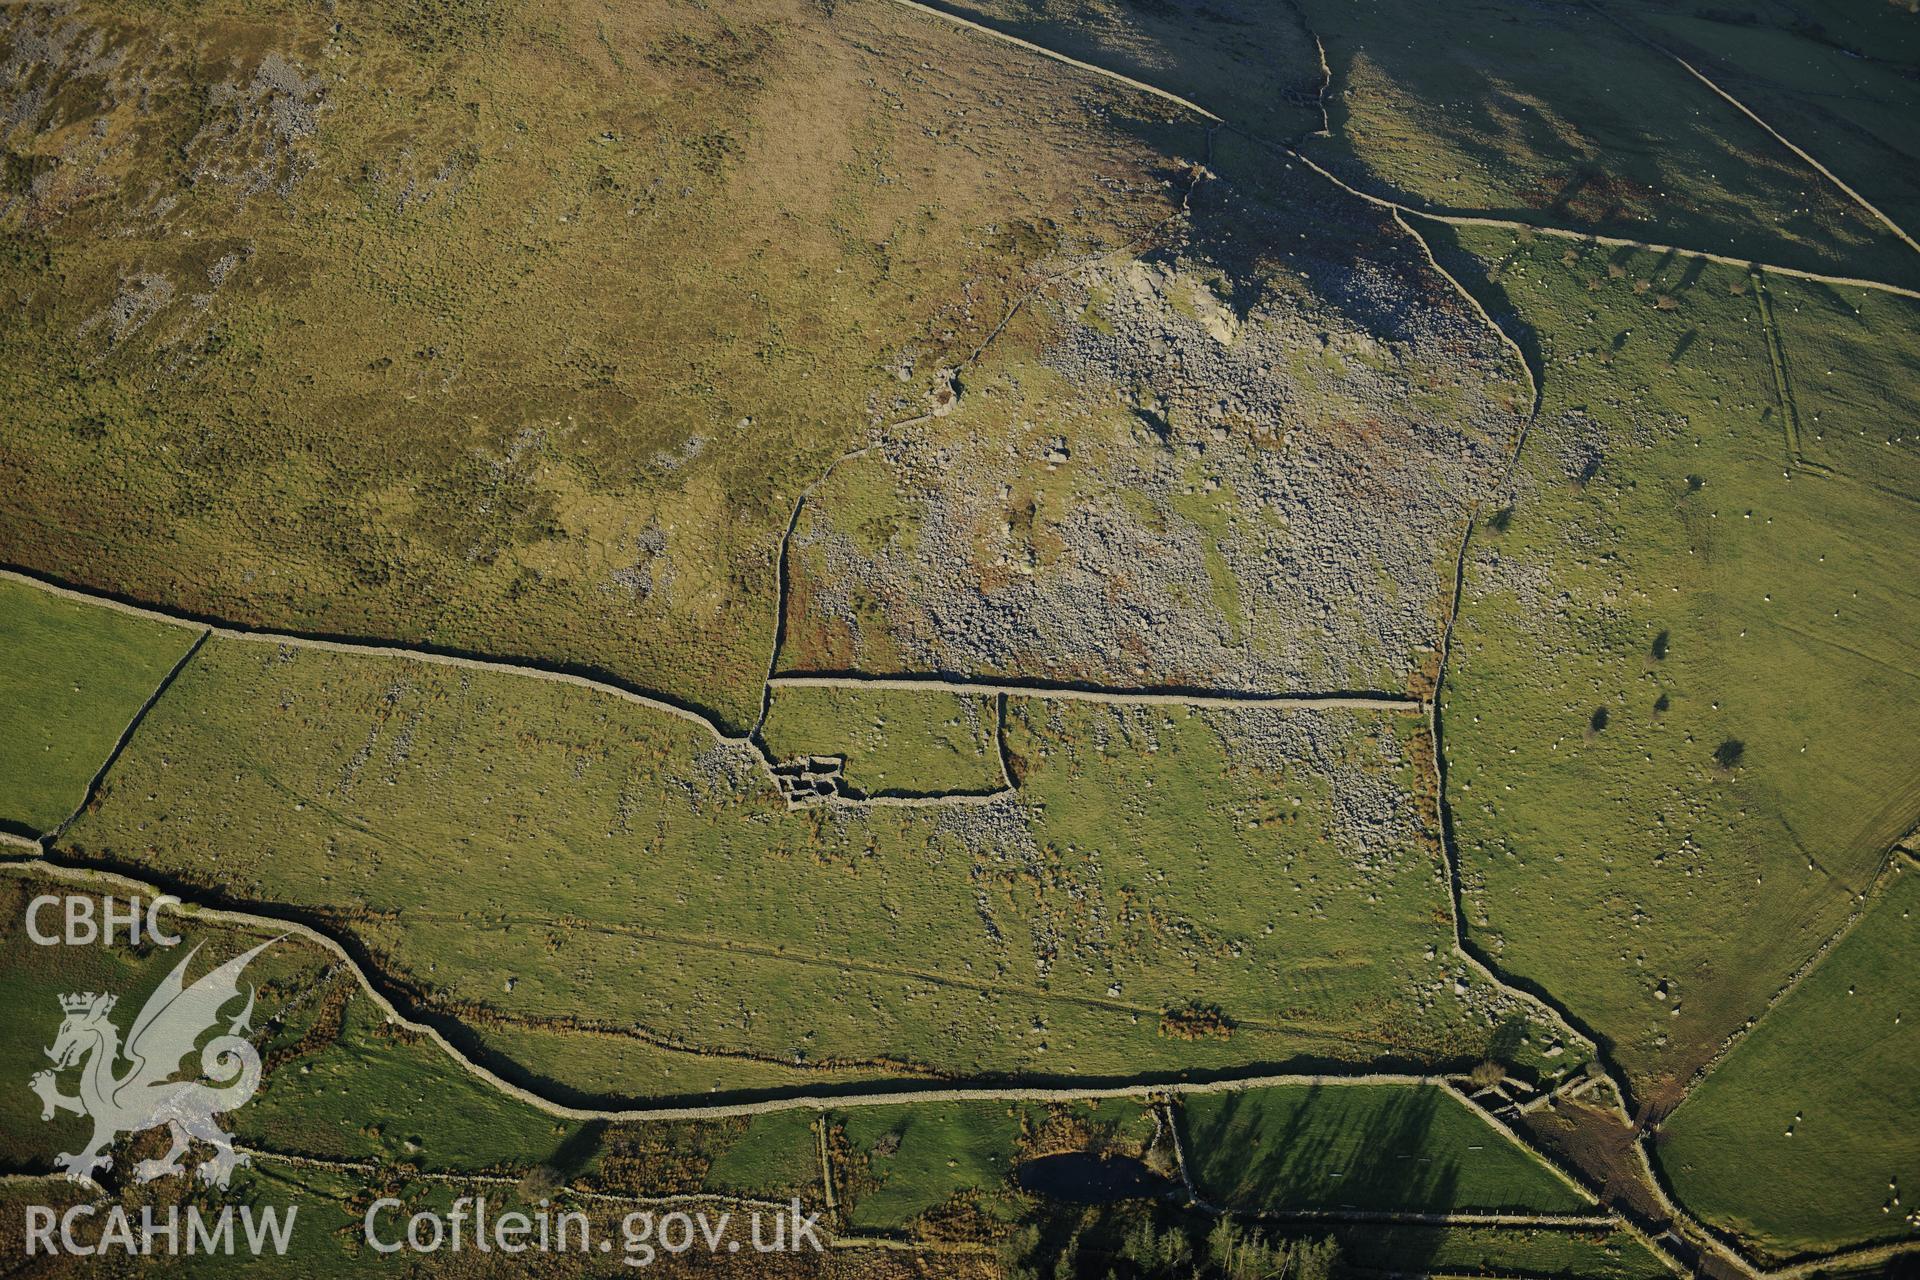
521,330
1552,114
385,1094
1269,866
1676,712
605,1060
1413,1149
38,975
777,1153
949,1167
1854,376
1584,1254
71,677
343,1085
394,1113
894,743
341,1082
918,1161
1838,83
552,348
1817,1102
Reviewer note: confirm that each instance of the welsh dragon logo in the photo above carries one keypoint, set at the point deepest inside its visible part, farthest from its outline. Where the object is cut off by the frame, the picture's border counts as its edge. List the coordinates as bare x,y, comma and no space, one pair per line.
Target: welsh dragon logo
144,1095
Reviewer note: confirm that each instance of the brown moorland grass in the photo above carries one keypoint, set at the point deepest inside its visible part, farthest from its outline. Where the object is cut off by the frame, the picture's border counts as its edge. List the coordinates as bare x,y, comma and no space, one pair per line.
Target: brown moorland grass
516,334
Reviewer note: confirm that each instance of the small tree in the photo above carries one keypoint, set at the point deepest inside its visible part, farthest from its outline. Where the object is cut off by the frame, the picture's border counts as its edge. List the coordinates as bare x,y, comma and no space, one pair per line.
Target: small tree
1154,1252
1016,1252
1316,1259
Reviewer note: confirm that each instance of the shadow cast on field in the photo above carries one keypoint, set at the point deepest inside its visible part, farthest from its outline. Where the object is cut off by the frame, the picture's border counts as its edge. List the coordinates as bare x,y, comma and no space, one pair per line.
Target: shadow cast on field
1375,1161
577,1151
1472,273
1268,224
1371,1161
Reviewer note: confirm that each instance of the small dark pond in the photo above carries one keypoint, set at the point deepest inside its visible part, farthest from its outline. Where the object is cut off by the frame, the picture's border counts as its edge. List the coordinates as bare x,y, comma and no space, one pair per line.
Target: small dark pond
1085,1178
